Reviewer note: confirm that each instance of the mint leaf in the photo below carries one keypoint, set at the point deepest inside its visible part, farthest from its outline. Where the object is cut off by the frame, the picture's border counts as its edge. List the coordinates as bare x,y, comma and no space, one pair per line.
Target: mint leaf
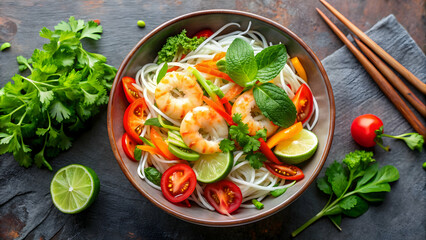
241,64
270,61
137,154
153,122
274,103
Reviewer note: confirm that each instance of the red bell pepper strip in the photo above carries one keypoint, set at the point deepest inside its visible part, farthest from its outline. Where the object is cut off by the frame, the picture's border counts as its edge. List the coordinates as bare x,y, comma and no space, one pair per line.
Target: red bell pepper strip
268,152
219,110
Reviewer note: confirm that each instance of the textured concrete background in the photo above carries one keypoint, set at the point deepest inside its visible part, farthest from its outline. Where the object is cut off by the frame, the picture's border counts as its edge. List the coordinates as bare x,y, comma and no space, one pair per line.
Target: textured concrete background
120,212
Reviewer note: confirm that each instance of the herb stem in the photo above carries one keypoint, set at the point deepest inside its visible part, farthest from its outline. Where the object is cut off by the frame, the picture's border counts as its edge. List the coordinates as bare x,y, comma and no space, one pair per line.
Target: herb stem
308,223
15,110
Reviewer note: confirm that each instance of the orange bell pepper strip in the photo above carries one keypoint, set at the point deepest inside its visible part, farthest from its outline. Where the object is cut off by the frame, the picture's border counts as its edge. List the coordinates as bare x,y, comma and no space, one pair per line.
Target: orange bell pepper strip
284,134
158,141
150,149
219,110
299,68
234,92
172,69
268,152
219,56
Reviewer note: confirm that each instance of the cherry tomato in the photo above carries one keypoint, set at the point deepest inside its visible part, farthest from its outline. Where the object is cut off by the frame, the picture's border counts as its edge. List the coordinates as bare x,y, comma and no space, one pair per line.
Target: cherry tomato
285,171
178,182
224,196
128,146
134,119
363,129
204,33
97,21
304,102
129,90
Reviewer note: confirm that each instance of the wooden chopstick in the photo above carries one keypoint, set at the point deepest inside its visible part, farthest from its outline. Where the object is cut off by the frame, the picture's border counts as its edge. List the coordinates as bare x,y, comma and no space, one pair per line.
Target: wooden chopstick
392,78
384,85
378,50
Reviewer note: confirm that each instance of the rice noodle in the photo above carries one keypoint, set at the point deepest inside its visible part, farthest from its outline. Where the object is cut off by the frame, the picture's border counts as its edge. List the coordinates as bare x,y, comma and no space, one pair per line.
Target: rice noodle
254,183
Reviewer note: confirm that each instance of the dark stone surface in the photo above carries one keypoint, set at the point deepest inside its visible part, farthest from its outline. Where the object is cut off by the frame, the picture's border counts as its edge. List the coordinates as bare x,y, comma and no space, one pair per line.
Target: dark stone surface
120,212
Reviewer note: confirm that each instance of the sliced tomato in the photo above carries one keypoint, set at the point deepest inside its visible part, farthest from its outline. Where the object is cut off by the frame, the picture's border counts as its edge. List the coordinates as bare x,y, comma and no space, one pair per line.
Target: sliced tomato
285,171
224,196
129,90
178,182
128,146
304,102
204,33
134,119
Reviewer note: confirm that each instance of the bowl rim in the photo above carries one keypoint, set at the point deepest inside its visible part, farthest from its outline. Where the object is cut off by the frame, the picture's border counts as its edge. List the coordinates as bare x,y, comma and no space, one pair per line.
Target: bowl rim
230,222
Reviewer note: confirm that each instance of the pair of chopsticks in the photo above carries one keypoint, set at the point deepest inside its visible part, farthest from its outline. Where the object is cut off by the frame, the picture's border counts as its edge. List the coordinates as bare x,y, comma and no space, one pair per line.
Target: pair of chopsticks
381,81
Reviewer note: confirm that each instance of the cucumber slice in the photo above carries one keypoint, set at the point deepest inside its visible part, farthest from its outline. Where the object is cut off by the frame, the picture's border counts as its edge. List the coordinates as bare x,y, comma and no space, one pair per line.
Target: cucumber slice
175,139
183,153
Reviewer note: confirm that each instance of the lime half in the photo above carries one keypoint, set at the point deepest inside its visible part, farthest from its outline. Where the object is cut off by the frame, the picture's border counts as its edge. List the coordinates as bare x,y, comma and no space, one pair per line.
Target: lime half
298,148
213,167
74,188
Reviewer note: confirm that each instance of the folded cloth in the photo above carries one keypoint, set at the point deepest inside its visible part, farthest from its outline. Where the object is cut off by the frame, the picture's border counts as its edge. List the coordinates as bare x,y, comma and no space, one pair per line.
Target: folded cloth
356,93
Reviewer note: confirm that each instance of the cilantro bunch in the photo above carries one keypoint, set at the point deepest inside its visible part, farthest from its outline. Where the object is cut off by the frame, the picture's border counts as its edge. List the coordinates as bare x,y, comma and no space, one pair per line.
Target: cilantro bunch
352,186
66,87
249,144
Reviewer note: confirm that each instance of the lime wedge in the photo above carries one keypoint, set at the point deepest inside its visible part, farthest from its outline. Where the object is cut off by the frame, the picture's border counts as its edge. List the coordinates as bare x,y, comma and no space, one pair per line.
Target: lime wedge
74,188
298,148
213,167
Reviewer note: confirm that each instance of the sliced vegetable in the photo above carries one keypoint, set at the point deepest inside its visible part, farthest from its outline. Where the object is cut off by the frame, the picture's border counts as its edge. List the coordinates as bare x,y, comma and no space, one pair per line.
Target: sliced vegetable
130,91
299,68
285,171
164,125
257,204
159,143
128,146
304,102
219,110
183,153
178,182
214,72
228,106
213,167
268,152
146,141
297,149
219,56
150,149
225,196
284,134
176,139
235,91
204,33
172,69
134,119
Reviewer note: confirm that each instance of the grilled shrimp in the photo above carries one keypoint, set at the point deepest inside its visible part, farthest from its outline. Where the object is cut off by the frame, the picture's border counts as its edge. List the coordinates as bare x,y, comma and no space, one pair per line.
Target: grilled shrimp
178,93
251,114
202,129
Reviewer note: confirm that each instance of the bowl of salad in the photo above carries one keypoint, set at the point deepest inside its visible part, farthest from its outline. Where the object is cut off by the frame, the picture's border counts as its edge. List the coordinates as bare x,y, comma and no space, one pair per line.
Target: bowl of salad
221,117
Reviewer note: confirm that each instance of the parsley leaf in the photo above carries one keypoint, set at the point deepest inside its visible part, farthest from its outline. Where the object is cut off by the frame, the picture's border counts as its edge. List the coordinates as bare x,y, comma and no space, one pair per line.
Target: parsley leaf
64,89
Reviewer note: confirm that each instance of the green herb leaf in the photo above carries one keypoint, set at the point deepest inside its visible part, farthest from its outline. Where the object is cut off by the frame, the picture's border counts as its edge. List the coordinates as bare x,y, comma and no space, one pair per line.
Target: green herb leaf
153,175
226,145
146,141
368,174
337,178
256,159
324,186
91,30
353,206
336,220
241,64
373,197
176,45
162,72
270,61
274,103
153,122
138,153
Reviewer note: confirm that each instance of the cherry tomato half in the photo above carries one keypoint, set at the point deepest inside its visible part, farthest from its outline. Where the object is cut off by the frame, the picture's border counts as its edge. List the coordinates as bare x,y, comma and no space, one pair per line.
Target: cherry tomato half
224,196
134,119
129,90
178,182
304,102
363,129
204,33
128,146
285,171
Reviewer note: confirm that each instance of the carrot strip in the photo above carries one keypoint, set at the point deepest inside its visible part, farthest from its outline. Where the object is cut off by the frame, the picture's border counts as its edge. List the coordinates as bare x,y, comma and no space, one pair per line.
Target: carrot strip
219,56
161,145
172,69
221,112
150,149
299,68
284,134
233,92
213,72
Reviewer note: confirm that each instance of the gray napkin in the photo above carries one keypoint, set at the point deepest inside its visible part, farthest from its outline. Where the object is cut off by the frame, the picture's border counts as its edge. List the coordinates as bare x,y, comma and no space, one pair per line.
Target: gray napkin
401,216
